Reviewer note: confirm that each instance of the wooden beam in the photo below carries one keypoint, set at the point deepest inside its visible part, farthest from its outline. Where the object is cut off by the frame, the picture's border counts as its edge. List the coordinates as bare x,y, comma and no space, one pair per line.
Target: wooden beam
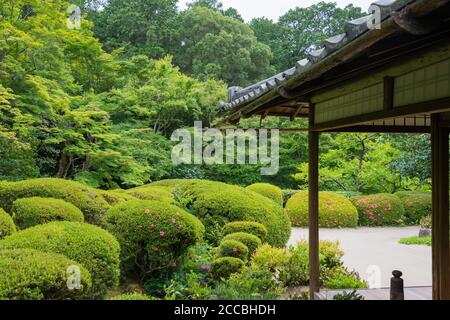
434,106
296,113
388,93
313,176
384,129
440,211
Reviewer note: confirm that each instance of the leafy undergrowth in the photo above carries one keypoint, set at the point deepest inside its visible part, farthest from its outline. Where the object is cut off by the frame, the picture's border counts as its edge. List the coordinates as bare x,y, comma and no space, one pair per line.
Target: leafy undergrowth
426,241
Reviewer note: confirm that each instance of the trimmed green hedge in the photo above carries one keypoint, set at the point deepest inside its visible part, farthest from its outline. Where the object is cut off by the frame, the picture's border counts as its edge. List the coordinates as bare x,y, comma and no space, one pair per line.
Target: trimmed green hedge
335,211
255,228
417,205
251,241
234,249
153,235
168,183
29,212
33,275
7,226
115,197
149,192
217,204
379,209
90,201
223,268
269,191
96,249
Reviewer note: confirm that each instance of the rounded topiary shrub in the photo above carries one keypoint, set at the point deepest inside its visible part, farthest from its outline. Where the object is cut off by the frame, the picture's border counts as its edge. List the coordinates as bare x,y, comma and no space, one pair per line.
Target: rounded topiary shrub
234,249
223,268
379,209
168,183
269,191
96,249
151,193
153,235
7,226
217,204
417,205
335,211
115,197
33,275
251,241
133,296
29,212
254,228
90,201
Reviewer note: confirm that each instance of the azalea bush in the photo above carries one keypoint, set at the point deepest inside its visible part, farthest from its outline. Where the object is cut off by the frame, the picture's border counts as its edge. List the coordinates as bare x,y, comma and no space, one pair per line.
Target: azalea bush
417,205
269,191
217,204
34,275
254,228
149,192
7,225
233,248
224,267
89,200
92,247
335,211
153,235
29,212
252,242
379,210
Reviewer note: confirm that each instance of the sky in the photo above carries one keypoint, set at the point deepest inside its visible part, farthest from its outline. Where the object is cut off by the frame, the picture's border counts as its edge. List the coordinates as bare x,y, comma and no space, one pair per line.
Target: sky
250,9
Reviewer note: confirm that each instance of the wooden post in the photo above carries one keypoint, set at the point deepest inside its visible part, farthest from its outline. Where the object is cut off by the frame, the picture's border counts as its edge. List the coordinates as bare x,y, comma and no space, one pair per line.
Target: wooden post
313,176
440,216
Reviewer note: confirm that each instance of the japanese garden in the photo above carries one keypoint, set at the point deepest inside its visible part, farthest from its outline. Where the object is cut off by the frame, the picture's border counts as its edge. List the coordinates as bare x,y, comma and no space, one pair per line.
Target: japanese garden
349,125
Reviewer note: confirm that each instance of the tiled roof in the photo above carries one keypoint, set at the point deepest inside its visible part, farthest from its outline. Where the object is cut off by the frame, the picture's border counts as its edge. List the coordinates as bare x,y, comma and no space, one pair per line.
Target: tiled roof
238,97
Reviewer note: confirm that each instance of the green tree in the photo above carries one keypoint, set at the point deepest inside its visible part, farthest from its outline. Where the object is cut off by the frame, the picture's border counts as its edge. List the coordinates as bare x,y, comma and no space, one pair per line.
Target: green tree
218,47
354,162
301,30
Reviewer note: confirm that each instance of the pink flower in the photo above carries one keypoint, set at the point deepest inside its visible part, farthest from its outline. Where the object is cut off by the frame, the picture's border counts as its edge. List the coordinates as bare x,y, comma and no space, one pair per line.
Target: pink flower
162,233
235,250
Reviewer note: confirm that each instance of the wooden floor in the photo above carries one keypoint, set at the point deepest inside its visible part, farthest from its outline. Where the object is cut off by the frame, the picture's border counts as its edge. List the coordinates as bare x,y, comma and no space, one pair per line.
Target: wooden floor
412,293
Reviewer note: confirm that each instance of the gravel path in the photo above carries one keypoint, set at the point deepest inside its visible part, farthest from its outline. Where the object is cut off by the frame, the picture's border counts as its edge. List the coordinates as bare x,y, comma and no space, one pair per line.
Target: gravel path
372,251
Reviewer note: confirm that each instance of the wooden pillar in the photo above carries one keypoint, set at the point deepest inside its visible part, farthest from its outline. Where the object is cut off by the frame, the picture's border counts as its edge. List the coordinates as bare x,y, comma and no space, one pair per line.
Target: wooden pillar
440,216
313,176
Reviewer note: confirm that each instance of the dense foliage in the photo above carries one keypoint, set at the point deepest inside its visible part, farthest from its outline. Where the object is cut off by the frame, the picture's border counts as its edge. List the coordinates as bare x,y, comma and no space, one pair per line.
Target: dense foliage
34,275
29,212
224,267
217,204
92,247
268,190
417,206
334,210
379,210
254,228
7,225
98,104
89,200
251,241
153,235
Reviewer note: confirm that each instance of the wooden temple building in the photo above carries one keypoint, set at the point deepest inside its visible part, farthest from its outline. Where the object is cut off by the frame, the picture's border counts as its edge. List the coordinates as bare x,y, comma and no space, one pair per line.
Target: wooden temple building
387,72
